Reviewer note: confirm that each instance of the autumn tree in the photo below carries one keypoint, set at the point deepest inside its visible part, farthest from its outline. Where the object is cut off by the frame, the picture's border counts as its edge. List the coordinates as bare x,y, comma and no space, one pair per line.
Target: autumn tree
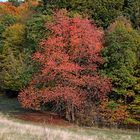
8,8
68,59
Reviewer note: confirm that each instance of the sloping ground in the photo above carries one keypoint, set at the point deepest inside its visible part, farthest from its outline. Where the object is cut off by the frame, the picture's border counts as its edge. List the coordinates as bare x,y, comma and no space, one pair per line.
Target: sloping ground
12,130
50,127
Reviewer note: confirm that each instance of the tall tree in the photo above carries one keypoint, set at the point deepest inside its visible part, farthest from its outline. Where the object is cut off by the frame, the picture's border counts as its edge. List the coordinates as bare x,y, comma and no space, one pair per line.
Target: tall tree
121,52
15,69
68,60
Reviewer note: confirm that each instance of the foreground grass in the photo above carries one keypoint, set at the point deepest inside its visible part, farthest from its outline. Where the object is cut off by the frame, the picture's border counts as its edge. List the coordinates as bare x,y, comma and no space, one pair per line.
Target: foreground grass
13,129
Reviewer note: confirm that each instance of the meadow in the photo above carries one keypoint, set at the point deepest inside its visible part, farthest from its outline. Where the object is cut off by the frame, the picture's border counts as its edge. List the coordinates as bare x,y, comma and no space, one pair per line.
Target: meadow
12,128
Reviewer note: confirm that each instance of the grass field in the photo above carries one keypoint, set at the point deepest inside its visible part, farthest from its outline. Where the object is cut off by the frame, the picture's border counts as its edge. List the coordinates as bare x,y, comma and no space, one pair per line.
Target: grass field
14,129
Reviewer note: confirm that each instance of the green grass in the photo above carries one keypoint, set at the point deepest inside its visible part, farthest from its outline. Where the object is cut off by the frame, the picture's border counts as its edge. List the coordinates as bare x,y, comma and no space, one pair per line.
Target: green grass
13,129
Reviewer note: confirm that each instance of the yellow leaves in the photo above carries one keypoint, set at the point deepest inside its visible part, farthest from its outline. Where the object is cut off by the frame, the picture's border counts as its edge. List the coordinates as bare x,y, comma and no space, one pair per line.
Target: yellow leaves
137,88
121,22
14,34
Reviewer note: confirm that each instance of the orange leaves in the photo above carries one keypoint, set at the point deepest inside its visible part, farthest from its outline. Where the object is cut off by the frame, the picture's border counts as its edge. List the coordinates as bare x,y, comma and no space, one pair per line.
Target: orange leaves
79,34
18,12
32,101
119,114
62,93
7,8
25,7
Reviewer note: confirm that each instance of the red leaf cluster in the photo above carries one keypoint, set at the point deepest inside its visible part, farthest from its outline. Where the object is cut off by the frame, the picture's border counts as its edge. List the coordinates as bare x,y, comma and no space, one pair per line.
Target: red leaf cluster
69,58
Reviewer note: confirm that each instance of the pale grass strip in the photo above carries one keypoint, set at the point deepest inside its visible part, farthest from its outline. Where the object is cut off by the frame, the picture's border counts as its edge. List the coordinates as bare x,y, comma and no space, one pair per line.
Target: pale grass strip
43,132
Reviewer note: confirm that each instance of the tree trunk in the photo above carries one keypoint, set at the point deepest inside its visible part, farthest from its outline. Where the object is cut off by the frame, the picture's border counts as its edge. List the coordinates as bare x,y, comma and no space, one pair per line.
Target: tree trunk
70,116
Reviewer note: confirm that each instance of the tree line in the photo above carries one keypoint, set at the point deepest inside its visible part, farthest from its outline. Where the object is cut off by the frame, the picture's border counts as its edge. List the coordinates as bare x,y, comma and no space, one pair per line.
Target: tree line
78,58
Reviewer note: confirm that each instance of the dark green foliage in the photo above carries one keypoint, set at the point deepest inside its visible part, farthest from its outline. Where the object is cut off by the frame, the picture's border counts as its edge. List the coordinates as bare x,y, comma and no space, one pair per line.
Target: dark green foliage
15,2
101,11
134,107
132,11
35,31
121,53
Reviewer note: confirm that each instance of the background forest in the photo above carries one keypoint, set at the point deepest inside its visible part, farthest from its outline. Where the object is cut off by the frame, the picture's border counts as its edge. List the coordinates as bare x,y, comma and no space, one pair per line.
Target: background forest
77,58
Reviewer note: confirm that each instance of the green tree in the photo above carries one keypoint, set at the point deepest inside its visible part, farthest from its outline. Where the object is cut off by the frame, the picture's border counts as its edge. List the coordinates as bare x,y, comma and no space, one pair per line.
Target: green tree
35,30
121,53
101,11
134,107
15,67
15,70
132,11
5,21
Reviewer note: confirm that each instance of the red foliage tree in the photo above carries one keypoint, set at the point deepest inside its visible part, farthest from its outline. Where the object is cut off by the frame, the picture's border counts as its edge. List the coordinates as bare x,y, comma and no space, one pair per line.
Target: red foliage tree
68,73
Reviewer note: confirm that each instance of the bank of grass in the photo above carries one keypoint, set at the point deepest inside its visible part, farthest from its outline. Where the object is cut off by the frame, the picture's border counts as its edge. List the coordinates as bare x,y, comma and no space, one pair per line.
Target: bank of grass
13,129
